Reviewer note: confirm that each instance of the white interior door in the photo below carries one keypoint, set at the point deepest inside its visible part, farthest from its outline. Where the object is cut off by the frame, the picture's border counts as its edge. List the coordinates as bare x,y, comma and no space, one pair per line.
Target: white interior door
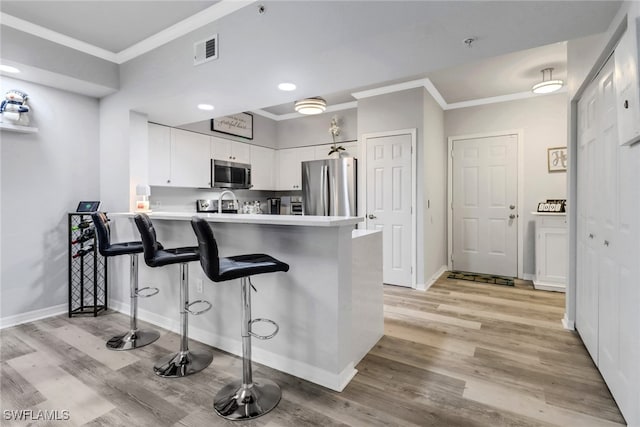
587,215
389,200
485,201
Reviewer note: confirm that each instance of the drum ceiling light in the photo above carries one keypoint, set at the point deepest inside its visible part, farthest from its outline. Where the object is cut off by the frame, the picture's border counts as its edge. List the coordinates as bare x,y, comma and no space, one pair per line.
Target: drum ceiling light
315,105
547,85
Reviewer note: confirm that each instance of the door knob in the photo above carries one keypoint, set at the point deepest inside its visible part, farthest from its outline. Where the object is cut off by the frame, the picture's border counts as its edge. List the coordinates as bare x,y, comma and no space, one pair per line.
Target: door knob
512,207
512,216
371,216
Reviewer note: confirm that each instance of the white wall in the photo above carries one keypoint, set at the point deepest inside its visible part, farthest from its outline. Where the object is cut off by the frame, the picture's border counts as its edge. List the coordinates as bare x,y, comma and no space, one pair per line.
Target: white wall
544,122
44,175
314,130
416,109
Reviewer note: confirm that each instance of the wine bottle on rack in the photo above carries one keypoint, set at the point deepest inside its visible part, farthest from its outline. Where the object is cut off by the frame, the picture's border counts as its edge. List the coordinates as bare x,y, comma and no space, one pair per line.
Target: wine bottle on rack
87,234
83,251
82,225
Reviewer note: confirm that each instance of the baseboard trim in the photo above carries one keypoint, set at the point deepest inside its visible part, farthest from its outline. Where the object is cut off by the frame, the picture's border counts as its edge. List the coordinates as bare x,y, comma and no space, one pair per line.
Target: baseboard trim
433,279
32,316
549,287
333,381
568,324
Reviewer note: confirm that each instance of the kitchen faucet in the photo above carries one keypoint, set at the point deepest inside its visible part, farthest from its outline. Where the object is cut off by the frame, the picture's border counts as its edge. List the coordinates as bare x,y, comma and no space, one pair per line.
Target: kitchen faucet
235,200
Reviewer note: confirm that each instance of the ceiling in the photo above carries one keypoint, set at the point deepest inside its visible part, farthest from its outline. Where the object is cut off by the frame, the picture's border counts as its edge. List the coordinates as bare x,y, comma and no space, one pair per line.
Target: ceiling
110,25
347,47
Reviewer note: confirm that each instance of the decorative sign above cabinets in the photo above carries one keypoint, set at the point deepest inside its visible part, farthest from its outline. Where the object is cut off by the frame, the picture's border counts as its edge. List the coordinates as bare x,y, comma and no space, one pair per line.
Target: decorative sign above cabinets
240,124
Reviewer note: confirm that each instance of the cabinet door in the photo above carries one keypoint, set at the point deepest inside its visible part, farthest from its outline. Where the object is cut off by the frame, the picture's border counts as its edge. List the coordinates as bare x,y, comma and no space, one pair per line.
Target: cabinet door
290,166
190,155
240,152
159,155
262,168
220,149
626,82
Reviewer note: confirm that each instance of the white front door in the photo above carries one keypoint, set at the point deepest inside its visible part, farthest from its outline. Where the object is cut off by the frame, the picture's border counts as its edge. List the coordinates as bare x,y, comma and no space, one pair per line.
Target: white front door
389,200
485,200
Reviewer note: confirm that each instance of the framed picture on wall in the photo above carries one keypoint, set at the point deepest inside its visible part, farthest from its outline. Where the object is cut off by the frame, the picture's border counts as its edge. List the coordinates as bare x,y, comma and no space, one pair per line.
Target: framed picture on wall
557,159
240,124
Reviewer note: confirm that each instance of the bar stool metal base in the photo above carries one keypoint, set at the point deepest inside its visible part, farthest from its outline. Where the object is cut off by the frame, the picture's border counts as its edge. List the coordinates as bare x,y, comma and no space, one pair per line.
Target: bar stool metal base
237,401
183,363
132,339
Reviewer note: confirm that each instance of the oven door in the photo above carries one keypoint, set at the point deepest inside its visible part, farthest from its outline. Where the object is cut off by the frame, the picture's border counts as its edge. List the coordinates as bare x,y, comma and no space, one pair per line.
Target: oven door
230,174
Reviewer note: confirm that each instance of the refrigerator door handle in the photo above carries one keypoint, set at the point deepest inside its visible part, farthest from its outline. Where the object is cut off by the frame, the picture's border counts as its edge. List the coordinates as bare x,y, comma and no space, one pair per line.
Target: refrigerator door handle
325,190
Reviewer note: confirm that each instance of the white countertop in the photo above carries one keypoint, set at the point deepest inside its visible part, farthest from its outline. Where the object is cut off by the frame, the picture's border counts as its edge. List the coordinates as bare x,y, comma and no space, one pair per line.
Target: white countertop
299,220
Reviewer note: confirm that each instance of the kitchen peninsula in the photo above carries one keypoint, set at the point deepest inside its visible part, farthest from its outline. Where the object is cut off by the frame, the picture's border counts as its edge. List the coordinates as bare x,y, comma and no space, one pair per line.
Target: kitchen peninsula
329,306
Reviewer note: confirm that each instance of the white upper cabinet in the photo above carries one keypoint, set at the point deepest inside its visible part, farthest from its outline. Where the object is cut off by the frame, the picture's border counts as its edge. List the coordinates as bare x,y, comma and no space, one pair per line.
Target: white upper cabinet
290,166
263,167
231,151
627,86
159,155
190,157
350,150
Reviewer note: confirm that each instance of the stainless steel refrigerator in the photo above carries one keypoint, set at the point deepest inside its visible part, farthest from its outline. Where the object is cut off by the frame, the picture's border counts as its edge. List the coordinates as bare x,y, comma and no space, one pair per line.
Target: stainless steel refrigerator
329,187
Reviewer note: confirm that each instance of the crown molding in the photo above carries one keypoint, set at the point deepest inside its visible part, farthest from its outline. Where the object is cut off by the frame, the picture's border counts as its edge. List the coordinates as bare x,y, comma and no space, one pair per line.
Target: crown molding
187,25
53,36
433,91
288,116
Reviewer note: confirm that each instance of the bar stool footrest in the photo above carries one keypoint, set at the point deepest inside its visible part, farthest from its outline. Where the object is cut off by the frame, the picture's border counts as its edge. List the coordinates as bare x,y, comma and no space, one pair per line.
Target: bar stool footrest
263,337
151,292
199,312
237,401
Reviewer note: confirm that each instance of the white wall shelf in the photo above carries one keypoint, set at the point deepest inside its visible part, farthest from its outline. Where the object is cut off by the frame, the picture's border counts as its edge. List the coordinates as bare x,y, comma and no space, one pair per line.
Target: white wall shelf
18,128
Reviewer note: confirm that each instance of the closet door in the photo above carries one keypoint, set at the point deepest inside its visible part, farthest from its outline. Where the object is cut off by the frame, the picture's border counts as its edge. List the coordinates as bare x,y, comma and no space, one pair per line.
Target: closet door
587,213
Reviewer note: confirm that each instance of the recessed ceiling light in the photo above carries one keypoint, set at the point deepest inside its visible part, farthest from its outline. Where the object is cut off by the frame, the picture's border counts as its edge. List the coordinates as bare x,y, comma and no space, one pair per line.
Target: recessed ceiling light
206,107
287,86
9,69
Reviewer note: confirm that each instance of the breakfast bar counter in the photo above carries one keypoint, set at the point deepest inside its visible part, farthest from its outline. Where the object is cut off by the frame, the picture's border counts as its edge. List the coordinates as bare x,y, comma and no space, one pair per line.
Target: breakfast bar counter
329,305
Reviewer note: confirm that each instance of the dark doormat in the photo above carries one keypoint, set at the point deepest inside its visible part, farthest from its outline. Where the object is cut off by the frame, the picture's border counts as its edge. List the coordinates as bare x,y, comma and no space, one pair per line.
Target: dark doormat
482,278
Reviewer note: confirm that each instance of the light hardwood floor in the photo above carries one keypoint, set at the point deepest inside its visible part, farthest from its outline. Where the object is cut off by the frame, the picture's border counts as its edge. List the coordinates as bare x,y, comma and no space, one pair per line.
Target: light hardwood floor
461,354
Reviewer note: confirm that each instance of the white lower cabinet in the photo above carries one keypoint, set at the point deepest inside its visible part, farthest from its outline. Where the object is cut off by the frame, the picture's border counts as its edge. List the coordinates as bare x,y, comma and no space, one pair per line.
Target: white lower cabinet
551,252
290,166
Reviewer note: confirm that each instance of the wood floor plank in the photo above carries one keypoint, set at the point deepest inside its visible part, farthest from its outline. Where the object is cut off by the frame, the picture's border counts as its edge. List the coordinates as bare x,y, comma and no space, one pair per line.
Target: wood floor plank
459,354
61,390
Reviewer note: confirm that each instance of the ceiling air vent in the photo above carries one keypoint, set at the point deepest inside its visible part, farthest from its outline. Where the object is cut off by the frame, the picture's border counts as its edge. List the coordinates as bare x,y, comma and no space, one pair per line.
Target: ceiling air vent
205,50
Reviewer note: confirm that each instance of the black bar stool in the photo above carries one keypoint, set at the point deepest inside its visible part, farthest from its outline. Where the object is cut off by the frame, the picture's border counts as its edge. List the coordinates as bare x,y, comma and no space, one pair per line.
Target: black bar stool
184,362
245,399
135,337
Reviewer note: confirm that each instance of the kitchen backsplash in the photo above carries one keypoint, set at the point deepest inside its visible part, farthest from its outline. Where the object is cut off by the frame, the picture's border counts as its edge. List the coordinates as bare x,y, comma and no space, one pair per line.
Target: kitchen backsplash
172,199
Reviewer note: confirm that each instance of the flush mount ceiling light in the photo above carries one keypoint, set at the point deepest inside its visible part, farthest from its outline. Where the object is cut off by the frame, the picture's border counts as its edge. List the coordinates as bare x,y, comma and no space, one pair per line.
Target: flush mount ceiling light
9,69
547,85
205,107
315,105
286,86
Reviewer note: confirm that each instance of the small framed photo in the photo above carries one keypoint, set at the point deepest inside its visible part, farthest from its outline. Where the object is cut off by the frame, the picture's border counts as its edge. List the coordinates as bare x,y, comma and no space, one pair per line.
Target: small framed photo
240,124
557,159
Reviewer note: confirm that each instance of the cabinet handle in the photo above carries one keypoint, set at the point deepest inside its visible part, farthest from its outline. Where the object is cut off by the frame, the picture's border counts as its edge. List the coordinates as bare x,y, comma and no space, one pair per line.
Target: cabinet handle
168,181
606,243
626,103
591,235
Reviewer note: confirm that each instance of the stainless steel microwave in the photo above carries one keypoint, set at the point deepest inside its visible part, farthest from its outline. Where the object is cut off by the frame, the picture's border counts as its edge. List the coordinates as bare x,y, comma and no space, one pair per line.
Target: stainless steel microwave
230,174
